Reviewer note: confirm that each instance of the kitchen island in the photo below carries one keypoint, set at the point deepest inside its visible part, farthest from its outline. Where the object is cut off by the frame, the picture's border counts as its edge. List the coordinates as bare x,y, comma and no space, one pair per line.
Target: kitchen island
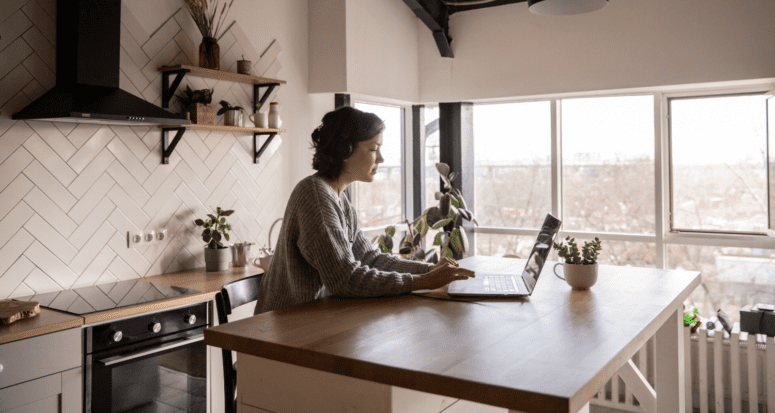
547,353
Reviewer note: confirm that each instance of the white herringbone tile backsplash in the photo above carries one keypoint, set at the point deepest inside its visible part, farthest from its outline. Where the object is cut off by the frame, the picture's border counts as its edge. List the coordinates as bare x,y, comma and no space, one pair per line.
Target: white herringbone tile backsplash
69,193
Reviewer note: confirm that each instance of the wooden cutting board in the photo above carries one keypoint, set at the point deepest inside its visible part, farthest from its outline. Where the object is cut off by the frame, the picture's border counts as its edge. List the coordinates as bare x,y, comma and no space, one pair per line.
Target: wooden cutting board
11,311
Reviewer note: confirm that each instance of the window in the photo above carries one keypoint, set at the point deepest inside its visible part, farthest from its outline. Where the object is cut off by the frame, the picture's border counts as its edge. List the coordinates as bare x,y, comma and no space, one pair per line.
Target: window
512,164
719,164
593,162
607,151
432,155
379,203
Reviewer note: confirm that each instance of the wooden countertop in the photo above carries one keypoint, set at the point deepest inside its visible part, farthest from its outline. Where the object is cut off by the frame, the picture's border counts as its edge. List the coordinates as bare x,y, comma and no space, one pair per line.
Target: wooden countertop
48,321
208,283
549,352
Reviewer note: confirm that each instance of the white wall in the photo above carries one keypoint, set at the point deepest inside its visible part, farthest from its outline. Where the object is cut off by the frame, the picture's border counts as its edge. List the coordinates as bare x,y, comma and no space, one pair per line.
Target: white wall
327,46
507,51
69,194
382,49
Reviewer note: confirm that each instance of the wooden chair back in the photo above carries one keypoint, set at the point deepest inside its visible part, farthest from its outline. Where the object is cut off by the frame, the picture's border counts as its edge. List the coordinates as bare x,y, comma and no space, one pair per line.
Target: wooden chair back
233,295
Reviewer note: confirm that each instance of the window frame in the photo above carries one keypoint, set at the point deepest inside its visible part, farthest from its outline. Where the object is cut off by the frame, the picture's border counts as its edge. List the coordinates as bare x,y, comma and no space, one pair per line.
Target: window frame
663,234
405,156
671,191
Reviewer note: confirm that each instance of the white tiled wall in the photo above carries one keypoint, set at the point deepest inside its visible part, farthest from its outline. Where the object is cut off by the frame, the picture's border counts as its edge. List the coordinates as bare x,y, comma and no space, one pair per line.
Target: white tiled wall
69,193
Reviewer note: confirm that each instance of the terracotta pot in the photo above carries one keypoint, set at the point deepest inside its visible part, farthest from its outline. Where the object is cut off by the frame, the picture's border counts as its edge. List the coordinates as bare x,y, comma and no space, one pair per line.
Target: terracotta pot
579,277
202,113
217,259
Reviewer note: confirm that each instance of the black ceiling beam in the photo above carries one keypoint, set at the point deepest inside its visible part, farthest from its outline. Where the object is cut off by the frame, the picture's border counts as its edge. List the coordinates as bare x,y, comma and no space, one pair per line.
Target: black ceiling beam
435,15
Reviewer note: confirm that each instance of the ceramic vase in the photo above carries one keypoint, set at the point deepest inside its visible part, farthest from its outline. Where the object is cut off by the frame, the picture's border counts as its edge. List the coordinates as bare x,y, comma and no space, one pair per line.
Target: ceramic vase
274,116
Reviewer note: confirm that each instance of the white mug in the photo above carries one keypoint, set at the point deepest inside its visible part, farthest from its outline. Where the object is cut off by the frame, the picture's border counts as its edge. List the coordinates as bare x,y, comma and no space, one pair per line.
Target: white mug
260,119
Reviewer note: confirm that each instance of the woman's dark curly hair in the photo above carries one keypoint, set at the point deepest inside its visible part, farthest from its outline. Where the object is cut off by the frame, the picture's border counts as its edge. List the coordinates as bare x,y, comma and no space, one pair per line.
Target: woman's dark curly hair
338,136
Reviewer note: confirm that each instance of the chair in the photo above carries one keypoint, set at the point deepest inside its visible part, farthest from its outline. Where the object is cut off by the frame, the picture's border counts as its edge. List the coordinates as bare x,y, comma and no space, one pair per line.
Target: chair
233,295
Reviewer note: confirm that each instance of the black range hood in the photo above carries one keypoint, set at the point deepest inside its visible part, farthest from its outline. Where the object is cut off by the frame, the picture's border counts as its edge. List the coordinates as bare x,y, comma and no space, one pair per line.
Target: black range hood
87,72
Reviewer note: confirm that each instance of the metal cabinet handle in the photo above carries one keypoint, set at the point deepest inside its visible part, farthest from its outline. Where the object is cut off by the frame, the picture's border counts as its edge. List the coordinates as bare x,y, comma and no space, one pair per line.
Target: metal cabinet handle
1,368
120,359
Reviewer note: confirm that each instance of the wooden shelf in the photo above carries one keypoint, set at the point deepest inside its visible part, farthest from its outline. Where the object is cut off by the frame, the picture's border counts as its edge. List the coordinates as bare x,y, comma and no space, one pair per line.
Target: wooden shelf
222,128
222,75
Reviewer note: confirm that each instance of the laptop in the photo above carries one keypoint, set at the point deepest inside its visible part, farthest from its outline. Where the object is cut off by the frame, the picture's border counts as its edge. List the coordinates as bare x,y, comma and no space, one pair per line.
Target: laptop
505,277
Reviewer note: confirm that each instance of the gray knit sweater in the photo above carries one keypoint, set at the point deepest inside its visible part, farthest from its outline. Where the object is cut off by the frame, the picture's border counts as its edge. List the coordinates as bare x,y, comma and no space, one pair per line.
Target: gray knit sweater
321,251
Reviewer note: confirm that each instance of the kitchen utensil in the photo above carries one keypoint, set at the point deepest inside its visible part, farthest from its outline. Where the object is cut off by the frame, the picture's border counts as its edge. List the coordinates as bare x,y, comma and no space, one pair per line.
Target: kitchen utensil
239,252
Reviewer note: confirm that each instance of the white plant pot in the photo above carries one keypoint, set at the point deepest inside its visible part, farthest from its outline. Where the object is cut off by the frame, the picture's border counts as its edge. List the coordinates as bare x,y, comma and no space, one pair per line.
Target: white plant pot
274,116
579,277
217,259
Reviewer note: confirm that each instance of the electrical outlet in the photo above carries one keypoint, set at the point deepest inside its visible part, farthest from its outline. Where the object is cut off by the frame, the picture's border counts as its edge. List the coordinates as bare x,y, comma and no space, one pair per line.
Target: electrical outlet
134,239
161,234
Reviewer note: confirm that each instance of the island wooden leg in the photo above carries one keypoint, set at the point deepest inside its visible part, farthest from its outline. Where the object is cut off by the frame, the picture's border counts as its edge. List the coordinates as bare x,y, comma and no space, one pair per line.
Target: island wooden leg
670,374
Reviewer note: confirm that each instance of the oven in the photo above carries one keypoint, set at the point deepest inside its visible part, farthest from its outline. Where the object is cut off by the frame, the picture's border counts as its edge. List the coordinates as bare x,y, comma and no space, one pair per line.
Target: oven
152,362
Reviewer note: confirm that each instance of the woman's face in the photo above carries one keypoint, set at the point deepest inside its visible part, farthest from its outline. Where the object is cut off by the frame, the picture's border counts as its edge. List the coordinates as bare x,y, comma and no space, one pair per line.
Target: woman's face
362,164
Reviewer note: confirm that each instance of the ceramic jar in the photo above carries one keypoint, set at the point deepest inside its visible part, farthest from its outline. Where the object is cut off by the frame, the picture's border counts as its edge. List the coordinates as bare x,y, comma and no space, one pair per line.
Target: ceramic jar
274,116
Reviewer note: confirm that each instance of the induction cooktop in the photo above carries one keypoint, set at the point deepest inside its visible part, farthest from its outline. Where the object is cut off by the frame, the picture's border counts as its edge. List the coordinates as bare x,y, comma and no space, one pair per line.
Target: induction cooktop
86,300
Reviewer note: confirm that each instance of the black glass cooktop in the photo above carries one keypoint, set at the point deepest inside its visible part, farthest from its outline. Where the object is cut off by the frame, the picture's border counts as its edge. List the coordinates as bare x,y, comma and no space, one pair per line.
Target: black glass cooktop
103,297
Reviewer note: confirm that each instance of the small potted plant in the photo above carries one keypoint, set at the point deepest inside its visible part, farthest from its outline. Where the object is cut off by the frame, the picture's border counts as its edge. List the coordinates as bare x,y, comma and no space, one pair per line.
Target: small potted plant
232,115
217,255
580,267
692,319
447,217
198,104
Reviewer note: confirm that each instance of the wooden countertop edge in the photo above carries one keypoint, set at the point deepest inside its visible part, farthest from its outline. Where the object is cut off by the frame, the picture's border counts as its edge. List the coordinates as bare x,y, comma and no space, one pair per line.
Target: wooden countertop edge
38,331
587,391
392,376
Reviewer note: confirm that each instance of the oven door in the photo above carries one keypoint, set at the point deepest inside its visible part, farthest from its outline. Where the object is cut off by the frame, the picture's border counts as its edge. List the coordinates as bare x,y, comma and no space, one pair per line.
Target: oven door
168,375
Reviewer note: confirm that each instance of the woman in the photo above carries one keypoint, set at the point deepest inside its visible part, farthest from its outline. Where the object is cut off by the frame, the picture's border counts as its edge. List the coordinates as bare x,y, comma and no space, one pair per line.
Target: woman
321,250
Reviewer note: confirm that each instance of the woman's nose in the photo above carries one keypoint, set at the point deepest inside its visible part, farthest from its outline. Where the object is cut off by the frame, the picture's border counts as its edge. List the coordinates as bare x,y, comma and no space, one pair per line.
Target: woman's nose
380,159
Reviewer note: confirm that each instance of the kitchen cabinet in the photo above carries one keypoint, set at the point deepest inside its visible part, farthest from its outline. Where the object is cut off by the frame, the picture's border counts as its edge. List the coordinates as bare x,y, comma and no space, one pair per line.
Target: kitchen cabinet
42,374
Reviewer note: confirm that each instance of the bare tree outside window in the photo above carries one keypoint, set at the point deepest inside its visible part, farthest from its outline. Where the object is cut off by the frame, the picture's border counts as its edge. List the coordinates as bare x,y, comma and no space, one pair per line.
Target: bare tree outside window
719,163
608,164
512,175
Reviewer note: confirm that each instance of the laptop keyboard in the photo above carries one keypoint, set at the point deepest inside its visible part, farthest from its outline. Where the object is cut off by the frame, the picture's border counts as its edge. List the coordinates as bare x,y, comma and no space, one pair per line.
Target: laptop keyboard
499,283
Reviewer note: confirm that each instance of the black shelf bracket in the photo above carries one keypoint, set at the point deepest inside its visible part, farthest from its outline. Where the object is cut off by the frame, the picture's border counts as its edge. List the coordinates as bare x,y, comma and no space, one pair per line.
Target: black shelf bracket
167,89
258,97
168,148
258,152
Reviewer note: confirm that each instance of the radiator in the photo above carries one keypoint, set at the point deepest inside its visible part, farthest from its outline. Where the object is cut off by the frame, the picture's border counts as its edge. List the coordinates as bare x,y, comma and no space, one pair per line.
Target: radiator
743,379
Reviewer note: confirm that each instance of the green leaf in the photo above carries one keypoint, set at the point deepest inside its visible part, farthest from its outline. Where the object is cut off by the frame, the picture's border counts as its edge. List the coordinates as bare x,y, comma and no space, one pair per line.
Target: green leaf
217,236
391,230
462,202
199,222
218,210
455,202
449,253
227,213
212,217
442,223
226,236
437,239
223,220
454,241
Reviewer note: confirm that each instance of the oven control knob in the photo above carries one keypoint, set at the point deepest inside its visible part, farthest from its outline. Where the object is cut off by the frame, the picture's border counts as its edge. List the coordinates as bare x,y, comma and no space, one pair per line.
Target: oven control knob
191,319
117,336
155,327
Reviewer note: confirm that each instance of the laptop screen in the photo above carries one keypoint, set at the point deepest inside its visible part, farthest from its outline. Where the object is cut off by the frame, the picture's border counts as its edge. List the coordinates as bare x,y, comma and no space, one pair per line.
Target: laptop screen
540,252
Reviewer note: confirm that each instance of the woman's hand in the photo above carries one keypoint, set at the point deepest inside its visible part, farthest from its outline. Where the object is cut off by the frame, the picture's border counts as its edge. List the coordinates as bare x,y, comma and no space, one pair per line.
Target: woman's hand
445,260
440,275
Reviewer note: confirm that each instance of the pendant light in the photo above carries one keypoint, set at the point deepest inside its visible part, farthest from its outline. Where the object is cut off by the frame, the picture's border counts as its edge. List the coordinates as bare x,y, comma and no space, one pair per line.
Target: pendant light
564,7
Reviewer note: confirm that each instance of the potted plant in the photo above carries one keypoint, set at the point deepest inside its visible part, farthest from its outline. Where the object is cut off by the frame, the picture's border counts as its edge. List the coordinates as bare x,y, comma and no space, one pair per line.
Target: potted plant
232,115
217,255
580,267
447,217
198,104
